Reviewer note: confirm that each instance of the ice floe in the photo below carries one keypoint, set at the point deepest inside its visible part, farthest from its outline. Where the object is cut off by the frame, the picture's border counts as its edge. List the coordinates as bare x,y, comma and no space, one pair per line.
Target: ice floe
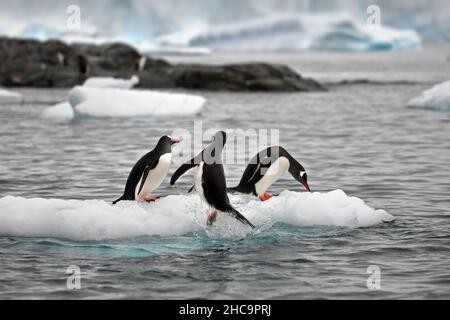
178,215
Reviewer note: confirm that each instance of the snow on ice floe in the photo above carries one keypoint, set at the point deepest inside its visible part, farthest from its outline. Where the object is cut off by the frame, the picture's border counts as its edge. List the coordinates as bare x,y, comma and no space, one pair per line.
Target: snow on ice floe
438,98
109,98
108,82
293,32
178,215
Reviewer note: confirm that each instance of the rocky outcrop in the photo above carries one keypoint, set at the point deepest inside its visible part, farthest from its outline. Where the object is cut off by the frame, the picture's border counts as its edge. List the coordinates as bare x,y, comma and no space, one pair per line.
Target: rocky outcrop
32,63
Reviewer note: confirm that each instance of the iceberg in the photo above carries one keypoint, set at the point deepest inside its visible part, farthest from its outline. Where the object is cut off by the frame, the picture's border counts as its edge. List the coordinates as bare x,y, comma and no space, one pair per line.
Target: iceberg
437,98
141,22
320,32
178,215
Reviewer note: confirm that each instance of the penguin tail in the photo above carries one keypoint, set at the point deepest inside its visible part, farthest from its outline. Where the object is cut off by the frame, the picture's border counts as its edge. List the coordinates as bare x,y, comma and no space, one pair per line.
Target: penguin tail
236,214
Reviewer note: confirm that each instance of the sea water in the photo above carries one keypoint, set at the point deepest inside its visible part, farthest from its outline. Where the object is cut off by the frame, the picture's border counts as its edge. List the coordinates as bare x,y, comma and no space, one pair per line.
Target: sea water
378,170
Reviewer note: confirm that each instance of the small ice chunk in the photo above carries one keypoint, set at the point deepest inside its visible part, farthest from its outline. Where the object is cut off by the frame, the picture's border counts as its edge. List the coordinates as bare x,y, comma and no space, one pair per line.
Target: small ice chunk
438,97
62,112
9,95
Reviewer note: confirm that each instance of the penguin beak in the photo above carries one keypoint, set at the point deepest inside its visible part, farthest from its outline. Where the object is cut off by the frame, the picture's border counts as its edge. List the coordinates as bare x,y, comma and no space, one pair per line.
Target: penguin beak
305,184
175,141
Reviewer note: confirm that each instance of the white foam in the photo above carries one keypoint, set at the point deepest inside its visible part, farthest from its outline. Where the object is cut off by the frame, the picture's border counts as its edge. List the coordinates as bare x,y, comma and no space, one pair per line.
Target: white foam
108,82
101,103
438,97
177,215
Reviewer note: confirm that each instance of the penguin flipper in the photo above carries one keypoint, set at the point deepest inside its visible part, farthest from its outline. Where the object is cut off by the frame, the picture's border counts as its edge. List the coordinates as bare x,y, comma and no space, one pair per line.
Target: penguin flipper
144,177
181,171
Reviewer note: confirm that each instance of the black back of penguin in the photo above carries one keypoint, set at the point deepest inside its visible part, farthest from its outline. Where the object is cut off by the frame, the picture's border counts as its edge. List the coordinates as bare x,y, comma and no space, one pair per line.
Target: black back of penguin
256,168
214,186
213,180
149,160
258,165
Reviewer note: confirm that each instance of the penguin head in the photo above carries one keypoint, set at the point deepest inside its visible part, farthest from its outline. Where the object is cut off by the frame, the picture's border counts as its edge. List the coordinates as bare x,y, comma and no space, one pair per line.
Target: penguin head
212,153
303,179
168,141
220,138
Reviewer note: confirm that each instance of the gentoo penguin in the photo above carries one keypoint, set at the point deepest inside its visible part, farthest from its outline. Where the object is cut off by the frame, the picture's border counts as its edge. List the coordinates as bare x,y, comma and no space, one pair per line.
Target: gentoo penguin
209,180
266,168
149,172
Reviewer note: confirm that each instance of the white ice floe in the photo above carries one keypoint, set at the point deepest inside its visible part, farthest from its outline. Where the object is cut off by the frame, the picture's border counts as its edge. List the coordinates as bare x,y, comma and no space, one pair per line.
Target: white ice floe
9,95
104,103
438,97
105,82
93,102
178,215
62,112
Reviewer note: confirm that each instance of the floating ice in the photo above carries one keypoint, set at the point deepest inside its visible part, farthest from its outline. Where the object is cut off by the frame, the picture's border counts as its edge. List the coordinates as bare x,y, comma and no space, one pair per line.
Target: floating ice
438,97
337,32
178,215
100,82
9,95
62,112
111,102
103,103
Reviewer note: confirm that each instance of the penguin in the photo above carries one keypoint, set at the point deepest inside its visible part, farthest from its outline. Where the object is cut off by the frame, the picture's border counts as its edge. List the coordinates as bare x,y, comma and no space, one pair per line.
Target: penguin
149,172
209,180
266,168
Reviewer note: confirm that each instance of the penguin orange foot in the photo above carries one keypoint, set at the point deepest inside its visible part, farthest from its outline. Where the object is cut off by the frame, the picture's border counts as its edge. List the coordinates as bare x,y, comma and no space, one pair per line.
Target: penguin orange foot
265,197
151,199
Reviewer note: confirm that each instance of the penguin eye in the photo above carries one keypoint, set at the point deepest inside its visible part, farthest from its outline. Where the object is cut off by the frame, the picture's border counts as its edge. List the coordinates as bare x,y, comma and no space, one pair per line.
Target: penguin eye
303,174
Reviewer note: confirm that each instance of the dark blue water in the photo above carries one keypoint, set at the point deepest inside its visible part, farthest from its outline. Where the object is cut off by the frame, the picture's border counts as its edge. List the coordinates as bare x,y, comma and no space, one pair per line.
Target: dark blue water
359,138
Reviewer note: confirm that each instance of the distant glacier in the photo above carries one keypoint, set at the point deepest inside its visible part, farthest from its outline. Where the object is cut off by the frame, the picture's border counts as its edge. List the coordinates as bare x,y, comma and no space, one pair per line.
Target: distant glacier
196,26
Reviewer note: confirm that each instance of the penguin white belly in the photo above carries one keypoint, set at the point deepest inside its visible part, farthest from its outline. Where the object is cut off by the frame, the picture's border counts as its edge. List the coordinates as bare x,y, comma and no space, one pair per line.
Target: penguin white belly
275,171
155,177
198,178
